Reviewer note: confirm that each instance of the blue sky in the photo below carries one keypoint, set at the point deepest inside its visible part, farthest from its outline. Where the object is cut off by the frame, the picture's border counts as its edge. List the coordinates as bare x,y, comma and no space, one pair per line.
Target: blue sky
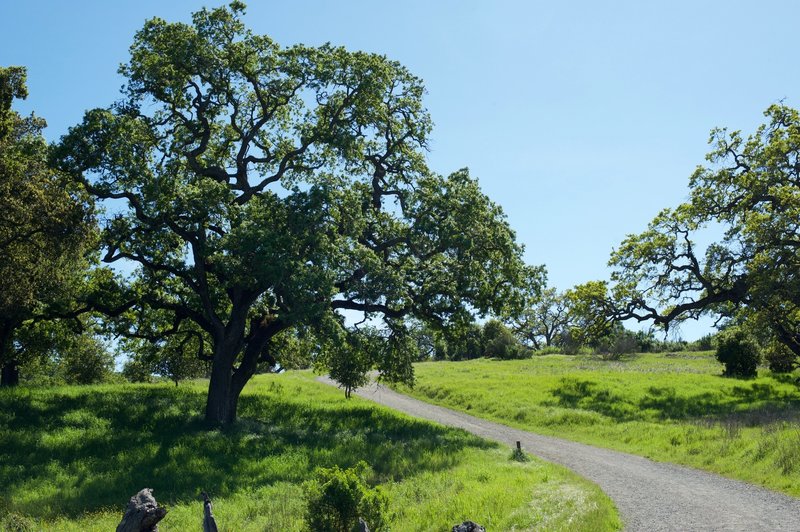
582,119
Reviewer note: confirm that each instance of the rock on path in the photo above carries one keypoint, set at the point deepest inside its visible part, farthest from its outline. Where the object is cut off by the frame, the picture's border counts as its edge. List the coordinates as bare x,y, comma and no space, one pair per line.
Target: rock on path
650,496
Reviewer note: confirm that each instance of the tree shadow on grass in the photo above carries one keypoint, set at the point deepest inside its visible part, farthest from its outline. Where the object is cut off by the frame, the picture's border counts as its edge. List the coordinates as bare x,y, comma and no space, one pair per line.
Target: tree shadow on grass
664,402
64,454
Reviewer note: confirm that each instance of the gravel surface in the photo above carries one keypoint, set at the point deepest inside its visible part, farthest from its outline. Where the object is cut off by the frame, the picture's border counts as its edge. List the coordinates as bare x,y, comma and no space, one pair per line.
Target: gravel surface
649,495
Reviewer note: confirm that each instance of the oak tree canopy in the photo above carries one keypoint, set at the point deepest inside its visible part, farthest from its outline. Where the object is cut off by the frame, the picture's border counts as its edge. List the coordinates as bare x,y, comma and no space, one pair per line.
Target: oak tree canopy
259,188
751,191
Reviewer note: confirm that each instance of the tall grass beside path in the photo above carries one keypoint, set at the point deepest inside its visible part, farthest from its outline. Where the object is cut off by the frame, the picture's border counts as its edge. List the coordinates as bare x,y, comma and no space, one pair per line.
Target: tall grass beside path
71,457
668,407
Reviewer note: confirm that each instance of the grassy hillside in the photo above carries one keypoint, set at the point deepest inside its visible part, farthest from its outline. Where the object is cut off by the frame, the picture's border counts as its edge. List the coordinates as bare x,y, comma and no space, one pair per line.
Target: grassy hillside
71,457
670,407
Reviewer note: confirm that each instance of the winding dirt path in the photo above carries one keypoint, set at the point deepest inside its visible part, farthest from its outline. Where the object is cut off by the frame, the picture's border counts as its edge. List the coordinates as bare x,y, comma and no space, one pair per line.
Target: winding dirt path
650,495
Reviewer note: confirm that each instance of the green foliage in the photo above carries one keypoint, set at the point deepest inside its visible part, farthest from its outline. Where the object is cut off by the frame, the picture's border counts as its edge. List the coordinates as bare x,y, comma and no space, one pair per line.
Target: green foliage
705,343
337,498
779,358
673,407
549,350
13,522
46,225
349,363
173,352
13,86
751,274
136,370
570,342
267,188
518,455
63,351
617,343
463,341
739,352
101,444
295,348
590,320
500,342
87,360
544,319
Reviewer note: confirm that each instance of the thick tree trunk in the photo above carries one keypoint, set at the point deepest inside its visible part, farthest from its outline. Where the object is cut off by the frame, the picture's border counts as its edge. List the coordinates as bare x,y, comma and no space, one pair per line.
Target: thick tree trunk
9,375
222,396
227,382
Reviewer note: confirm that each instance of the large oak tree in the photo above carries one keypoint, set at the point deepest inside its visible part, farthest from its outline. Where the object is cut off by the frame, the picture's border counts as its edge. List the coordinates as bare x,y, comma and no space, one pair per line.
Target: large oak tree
751,191
260,188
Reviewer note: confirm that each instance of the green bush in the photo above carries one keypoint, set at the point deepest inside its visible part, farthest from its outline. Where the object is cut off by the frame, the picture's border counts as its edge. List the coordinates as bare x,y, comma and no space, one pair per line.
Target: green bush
704,343
500,342
338,497
780,358
87,361
619,343
739,352
12,522
135,370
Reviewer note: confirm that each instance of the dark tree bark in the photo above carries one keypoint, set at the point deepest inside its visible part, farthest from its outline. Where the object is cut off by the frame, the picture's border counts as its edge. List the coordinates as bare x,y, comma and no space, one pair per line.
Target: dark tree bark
222,402
9,375
227,378
142,514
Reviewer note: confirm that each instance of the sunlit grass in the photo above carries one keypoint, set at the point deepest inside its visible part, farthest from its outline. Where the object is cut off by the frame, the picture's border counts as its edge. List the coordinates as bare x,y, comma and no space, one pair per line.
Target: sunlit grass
71,457
669,407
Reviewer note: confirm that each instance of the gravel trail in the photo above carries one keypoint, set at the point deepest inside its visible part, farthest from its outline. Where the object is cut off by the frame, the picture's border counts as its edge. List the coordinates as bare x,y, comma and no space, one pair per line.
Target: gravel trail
649,495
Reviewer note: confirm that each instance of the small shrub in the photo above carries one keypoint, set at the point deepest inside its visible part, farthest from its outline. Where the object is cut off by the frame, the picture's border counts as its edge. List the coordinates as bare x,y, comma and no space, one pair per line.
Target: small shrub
780,358
738,352
12,522
612,347
338,497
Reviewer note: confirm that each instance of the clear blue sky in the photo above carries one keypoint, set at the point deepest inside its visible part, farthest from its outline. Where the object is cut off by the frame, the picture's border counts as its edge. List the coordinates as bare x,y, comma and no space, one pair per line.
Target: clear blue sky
582,119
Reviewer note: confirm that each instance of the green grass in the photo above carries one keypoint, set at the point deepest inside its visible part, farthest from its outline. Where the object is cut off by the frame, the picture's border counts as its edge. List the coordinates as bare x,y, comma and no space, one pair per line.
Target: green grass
71,457
669,407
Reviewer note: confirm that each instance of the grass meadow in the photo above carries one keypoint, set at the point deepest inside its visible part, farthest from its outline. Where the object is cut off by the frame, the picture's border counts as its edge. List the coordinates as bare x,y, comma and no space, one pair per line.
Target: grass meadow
668,407
71,457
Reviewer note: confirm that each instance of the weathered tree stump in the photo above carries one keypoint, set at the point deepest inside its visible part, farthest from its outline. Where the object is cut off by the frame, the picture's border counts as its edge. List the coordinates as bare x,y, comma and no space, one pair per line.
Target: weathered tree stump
209,523
468,526
142,514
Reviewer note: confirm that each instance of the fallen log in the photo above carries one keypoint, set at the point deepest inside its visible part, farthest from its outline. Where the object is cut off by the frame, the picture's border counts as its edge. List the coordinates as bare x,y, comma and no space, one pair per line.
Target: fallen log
142,513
